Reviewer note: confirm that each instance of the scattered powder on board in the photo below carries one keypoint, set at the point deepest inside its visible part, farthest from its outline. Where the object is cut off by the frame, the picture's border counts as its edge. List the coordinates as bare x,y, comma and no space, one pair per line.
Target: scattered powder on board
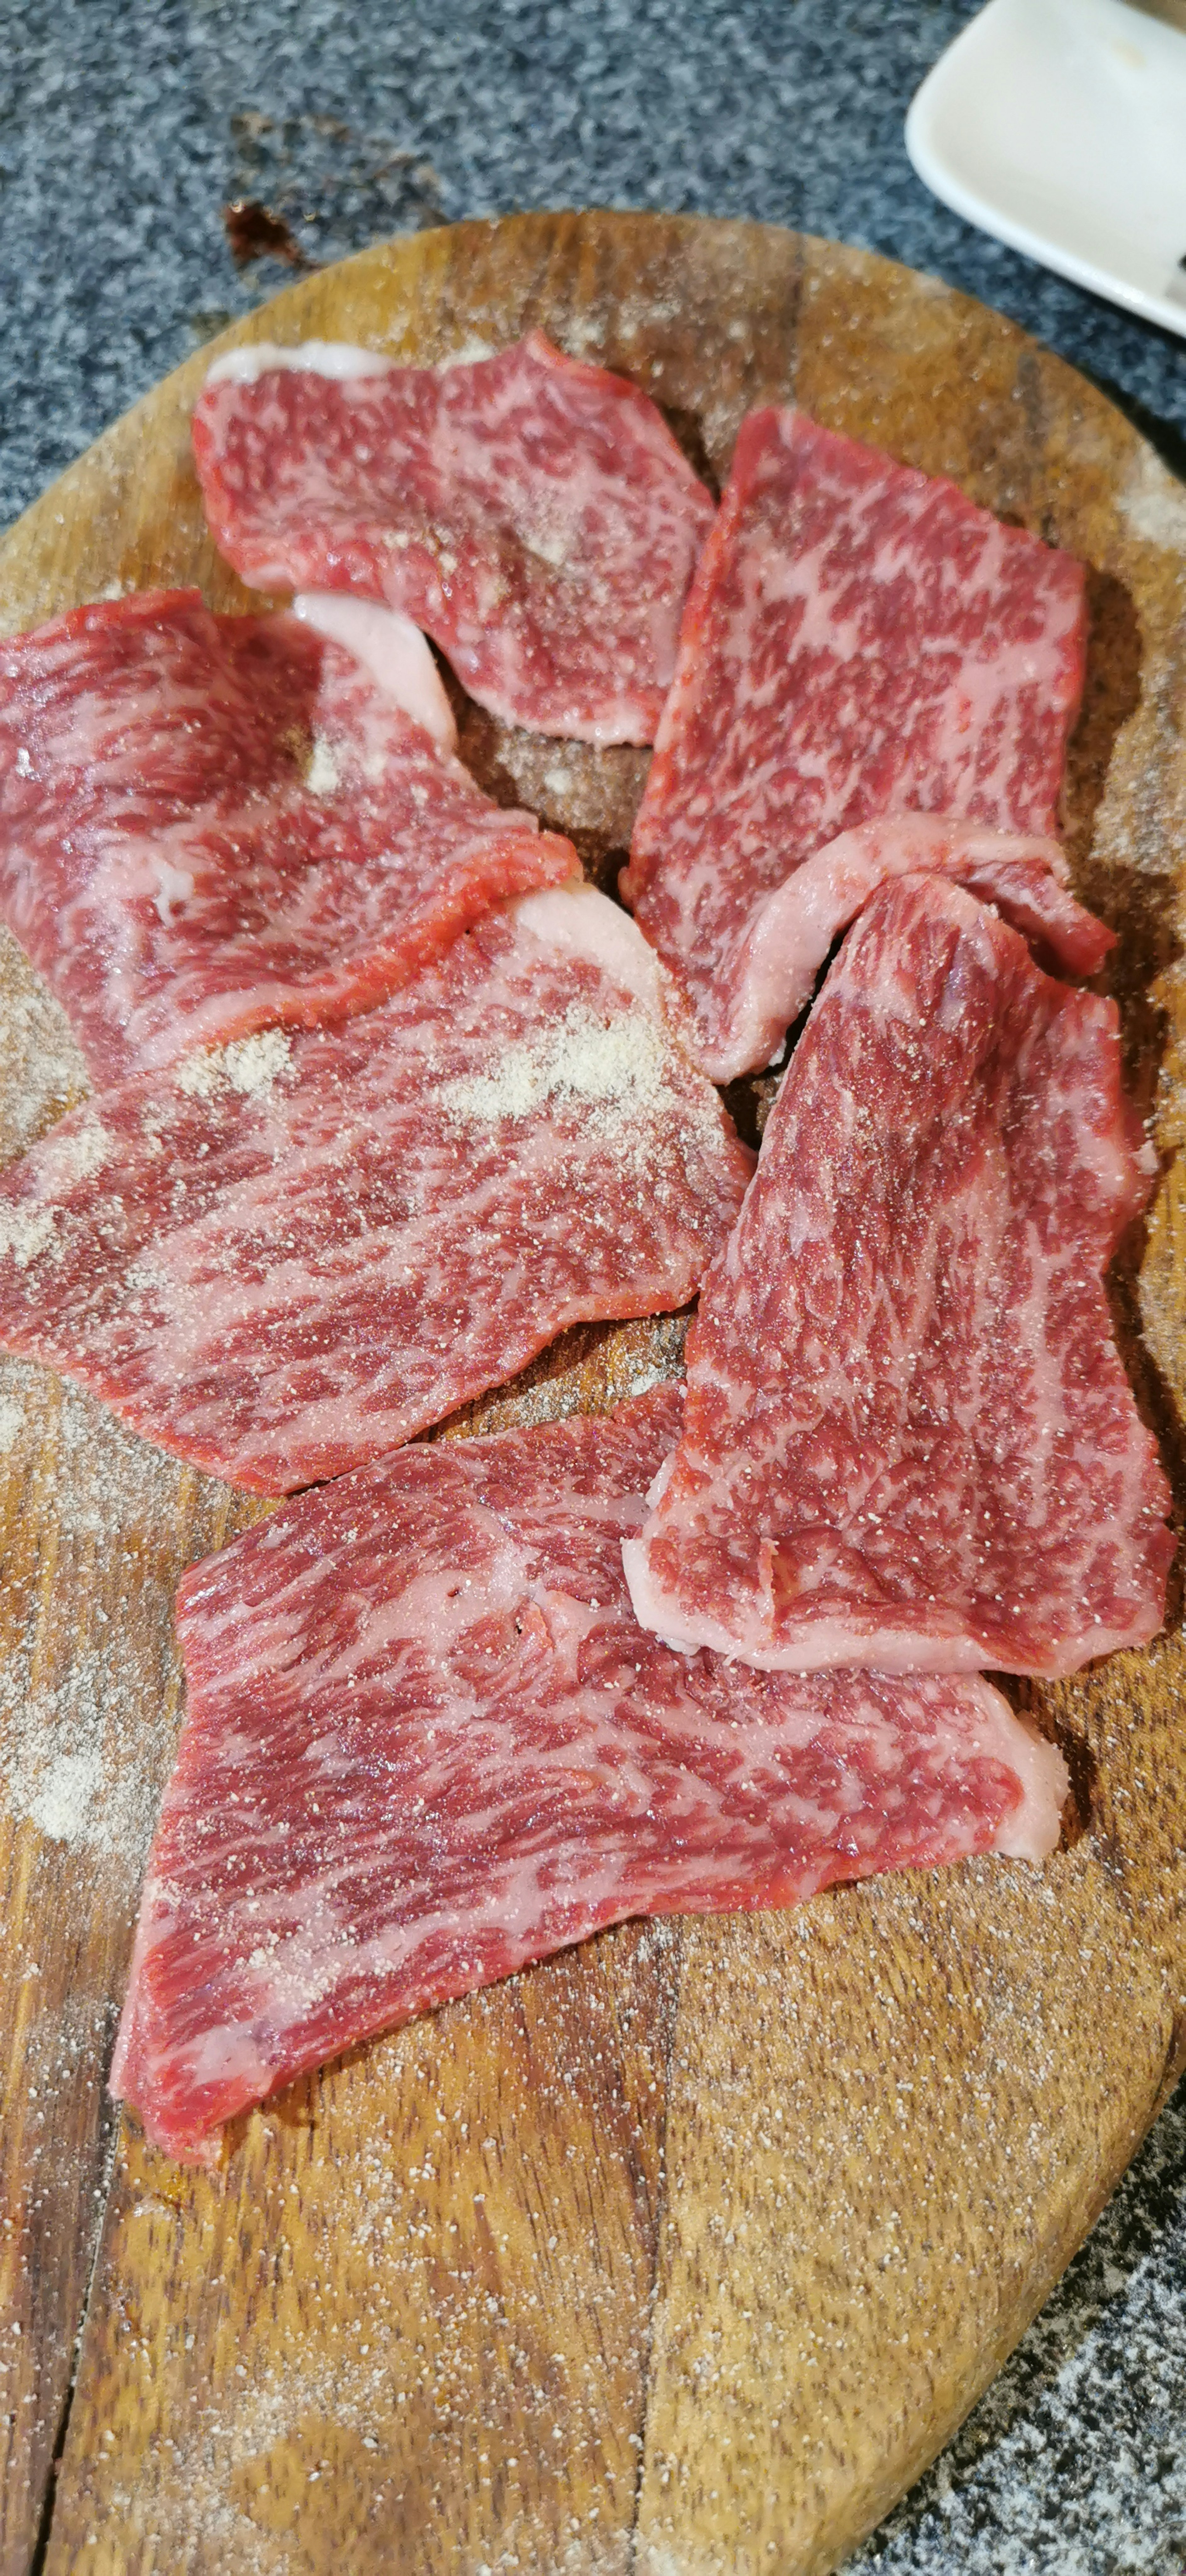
71,1763
470,352
584,335
86,1734
1154,504
63,1793
346,2443
592,1368
42,1073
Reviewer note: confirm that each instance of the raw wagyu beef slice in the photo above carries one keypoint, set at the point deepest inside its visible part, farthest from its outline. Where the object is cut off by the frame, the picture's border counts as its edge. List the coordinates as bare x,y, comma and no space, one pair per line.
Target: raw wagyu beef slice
285,1256
425,1742
533,514
909,1438
1023,875
211,824
860,641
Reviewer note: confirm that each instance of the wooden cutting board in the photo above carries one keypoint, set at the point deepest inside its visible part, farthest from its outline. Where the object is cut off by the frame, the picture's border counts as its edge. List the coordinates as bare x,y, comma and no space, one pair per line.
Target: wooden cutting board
685,2252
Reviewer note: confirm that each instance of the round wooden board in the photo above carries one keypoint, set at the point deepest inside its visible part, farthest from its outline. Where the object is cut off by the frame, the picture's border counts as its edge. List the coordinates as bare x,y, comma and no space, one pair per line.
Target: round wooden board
687,2251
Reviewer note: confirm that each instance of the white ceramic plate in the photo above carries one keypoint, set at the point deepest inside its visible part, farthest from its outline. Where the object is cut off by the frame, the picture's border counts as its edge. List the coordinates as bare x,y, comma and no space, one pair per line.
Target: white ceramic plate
1060,127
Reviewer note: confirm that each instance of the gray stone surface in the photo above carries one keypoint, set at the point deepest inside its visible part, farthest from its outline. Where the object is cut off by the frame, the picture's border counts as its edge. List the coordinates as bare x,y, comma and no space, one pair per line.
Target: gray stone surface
124,126
123,129
1074,2464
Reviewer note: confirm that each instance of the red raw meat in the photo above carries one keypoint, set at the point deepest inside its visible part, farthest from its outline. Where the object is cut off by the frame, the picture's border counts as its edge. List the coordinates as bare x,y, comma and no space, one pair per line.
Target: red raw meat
210,824
909,1438
859,641
534,515
781,955
426,1743
285,1256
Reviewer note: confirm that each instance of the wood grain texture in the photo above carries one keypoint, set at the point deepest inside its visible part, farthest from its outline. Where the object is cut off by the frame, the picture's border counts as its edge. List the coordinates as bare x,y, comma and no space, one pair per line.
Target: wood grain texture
685,2252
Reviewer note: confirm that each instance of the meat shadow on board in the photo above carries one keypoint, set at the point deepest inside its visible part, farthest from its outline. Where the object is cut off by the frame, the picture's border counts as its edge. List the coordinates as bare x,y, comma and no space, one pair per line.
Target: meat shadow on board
1139,904
596,787
687,429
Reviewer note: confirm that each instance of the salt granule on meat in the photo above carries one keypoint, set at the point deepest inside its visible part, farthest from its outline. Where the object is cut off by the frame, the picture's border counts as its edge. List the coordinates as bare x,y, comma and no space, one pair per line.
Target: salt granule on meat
533,514
860,642
283,1257
909,1439
425,1743
212,824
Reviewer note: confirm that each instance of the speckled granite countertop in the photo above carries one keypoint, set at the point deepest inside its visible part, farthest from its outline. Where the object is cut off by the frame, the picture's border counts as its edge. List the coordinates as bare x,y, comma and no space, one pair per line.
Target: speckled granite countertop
123,130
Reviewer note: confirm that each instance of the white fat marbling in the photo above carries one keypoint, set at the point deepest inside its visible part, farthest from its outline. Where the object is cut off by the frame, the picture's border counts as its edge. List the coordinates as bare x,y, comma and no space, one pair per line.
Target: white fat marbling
579,919
338,359
391,648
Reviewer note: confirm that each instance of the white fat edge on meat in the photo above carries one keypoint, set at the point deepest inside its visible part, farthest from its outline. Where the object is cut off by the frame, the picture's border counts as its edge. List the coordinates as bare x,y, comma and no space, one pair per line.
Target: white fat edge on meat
788,937
339,360
580,920
392,649
1031,1830
658,1613
743,1632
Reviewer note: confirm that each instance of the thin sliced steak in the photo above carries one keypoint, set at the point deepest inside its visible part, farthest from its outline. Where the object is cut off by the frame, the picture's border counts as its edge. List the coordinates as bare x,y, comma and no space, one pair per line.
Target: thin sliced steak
909,1440
860,641
285,1256
533,514
1025,877
211,824
426,1743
